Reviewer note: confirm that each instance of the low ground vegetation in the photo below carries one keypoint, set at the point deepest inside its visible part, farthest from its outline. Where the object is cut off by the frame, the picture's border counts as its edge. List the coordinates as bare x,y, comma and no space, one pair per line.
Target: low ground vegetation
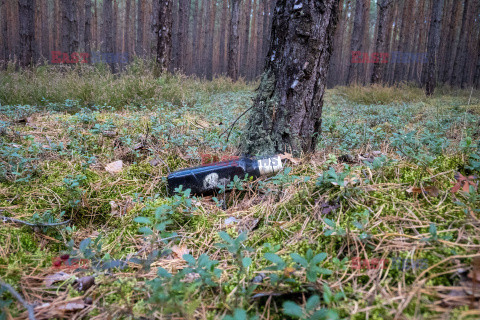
381,222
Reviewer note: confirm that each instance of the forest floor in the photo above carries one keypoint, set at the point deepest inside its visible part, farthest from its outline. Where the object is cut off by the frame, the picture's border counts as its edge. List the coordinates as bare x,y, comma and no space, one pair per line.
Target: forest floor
381,223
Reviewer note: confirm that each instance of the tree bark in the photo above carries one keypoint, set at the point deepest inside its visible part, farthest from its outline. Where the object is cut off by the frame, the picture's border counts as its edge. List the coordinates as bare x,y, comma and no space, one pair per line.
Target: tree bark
126,35
210,35
450,41
432,48
381,44
4,27
223,29
233,41
357,37
69,31
139,45
107,29
286,115
164,33
460,56
26,17
246,39
87,36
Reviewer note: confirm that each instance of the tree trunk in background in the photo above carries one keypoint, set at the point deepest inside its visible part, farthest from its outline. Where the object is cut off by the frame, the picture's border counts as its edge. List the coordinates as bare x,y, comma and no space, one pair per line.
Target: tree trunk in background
211,34
403,28
336,59
26,17
419,21
467,68
126,35
44,45
69,41
107,17
164,33
194,36
432,48
246,39
223,29
287,110
80,12
260,33
406,39
233,41
186,35
139,46
460,55
450,41
364,69
114,29
87,36
253,43
476,77
206,11
180,32
4,50
356,43
381,44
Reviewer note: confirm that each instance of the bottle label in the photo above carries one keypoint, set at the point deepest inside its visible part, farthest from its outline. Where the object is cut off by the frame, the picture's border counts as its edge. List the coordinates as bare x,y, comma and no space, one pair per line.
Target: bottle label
269,165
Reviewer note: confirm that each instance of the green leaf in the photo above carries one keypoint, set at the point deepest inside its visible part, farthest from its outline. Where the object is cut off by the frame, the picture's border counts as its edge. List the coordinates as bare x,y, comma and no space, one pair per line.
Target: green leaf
225,237
327,294
189,258
329,222
143,220
84,244
433,229
292,309
145,230
272,257
318,258
246,262
299,259
240,314
324,271
163,273
319,315
312,303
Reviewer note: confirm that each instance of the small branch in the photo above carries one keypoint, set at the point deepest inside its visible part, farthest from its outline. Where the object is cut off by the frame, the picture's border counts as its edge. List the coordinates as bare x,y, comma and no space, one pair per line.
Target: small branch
5,219
233,124
29,307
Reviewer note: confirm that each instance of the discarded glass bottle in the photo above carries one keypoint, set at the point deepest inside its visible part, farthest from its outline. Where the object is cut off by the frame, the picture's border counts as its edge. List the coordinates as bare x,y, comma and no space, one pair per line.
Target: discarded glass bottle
208,178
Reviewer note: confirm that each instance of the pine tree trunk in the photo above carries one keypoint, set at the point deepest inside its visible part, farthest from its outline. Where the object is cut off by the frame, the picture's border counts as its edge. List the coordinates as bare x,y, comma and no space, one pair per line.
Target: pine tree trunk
450,41
69,31
139,43
460,55
88,26
286,115
233,41
164,33
432,48
45,34
107,17
260,33
469,47
180,34
356,43
4,29
126,35
211,33
253,43
195,39
246,39
381,43
26,18
223,29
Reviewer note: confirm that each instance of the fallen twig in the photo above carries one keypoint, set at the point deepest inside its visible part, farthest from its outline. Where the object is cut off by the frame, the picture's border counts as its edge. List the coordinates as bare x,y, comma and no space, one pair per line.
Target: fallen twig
29,307
30,224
